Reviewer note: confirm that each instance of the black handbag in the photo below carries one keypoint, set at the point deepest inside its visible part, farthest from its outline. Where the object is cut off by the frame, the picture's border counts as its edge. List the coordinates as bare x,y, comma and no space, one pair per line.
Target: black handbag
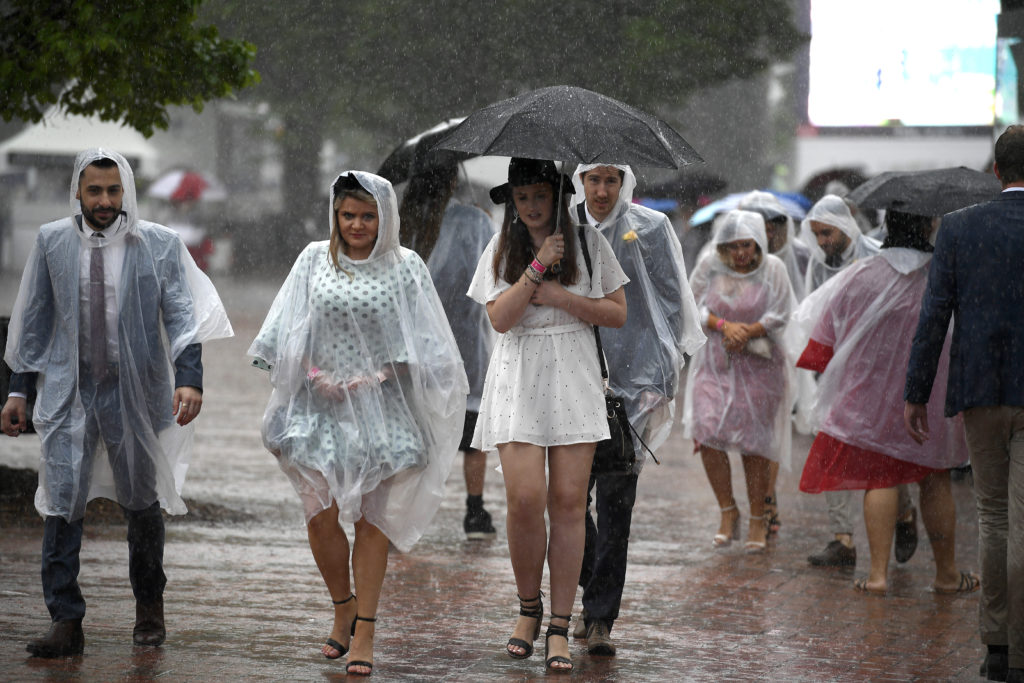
616,454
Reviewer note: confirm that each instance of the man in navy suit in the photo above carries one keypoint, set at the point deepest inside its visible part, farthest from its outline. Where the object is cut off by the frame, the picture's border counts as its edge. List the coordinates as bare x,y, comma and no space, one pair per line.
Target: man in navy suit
108,326
976,277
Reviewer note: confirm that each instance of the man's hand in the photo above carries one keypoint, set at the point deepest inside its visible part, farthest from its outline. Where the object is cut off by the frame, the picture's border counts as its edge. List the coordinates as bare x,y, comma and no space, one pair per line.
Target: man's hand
188,401
13,418
915,419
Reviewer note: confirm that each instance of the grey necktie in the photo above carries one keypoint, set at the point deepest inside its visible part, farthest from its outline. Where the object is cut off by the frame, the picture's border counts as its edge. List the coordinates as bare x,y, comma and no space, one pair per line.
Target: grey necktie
97,314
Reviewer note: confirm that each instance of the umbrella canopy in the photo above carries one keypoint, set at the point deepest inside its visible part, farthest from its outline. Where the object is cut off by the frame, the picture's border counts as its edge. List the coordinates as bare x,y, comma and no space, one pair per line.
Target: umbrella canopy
926,193
183,186
565,123
415,154
795,205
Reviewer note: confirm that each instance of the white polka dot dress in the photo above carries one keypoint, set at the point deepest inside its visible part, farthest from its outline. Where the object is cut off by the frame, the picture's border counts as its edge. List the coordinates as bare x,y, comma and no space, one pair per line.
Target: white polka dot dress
543,383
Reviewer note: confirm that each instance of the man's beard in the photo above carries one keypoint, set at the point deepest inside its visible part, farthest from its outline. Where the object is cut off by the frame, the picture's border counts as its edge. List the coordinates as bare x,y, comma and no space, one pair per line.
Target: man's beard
97,224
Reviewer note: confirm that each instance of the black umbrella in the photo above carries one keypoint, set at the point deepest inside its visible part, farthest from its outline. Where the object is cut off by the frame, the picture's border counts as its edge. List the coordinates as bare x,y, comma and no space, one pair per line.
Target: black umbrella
926,193
565,123
415,154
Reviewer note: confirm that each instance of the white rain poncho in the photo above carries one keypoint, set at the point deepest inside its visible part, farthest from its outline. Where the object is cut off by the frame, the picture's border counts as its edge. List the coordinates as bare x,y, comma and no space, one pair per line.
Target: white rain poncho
863,321
646,355
465,232
164,303
794,253
834,211
741,401
384,449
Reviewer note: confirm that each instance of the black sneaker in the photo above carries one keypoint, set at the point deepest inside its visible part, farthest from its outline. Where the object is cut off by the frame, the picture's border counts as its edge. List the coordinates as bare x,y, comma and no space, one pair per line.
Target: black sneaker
477,524
905,537
835,554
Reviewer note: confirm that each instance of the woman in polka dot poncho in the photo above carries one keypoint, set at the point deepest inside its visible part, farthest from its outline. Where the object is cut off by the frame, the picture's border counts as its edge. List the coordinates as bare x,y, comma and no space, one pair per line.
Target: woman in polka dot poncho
369,394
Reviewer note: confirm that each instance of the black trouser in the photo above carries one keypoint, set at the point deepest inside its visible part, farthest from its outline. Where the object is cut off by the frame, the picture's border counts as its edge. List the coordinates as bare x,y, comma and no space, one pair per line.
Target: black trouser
604,555
135,481
62,542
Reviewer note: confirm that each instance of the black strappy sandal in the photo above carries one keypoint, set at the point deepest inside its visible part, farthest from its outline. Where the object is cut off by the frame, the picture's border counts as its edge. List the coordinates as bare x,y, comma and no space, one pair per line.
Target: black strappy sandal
331,642
368,665
535,612
562,631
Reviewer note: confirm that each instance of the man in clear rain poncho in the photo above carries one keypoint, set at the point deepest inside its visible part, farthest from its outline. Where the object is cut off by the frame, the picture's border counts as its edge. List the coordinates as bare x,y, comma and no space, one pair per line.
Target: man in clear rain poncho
836,242
464,233
644,361
108,325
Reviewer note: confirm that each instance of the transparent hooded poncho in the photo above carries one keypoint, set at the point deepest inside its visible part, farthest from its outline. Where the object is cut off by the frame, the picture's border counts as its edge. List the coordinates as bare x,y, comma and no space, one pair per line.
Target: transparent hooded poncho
741,401
794,253
164,303
465,232
833,210
646,355
378,432
865,317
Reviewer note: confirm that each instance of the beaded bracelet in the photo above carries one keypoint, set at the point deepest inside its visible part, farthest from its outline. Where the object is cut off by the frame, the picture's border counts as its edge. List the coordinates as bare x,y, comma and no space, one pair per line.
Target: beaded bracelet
532,275
538,266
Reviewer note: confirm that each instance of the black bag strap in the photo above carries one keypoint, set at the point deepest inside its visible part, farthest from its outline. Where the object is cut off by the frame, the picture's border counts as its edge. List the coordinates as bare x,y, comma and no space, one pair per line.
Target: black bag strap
600,349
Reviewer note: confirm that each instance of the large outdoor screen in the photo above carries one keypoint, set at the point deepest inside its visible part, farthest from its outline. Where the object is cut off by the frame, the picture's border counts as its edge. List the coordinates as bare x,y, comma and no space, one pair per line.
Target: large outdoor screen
909,62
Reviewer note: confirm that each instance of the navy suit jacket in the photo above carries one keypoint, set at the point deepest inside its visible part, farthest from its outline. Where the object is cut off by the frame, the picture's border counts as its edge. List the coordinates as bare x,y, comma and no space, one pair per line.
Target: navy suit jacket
977,276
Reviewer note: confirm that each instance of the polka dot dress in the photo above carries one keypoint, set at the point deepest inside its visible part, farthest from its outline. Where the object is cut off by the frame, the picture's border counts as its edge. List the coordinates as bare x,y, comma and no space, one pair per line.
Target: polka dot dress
543,383
356,332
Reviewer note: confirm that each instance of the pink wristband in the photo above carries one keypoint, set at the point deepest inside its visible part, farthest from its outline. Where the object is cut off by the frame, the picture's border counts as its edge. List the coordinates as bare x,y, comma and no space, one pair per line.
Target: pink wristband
538,266
313,372
720,324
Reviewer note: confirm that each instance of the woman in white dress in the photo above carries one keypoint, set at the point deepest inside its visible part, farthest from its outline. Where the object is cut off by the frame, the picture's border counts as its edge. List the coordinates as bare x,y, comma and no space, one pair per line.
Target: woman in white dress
369,394
543,400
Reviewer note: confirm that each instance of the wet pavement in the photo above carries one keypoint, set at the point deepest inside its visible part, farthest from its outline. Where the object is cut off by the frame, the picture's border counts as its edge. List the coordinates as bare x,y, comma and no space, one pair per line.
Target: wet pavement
245,601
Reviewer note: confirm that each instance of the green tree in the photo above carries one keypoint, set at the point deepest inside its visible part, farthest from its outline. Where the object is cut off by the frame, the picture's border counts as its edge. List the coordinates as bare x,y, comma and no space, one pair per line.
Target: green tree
393,67
121,60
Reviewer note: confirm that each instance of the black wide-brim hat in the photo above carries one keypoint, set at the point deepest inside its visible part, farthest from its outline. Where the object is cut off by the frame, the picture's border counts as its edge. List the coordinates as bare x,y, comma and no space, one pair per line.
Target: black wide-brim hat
529,172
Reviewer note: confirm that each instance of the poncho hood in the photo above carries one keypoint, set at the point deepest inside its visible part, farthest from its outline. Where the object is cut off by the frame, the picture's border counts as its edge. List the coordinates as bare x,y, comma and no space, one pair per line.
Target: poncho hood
625,192
129,201
387,210
741,225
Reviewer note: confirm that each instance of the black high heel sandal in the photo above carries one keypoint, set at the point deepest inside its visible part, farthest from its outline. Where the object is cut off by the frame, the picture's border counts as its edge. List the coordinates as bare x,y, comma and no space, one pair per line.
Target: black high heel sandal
368,665
562,631
331,642
535,612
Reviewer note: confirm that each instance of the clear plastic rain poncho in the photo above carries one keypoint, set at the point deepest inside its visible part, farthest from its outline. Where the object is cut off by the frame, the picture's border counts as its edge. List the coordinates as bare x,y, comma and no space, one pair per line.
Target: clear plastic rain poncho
465,232
794,253
741,401
864,321
164,303
381,439
833,211
646,355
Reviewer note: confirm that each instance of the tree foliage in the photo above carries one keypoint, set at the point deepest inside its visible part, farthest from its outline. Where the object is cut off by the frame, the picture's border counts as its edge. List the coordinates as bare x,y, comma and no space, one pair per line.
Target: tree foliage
121,60
394,67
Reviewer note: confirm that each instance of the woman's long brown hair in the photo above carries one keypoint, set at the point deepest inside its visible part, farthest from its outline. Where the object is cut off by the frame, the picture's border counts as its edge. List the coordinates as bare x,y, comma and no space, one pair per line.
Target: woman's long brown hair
516,249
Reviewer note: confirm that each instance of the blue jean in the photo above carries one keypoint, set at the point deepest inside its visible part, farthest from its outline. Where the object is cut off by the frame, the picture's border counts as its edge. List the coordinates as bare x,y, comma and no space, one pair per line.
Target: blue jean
603,575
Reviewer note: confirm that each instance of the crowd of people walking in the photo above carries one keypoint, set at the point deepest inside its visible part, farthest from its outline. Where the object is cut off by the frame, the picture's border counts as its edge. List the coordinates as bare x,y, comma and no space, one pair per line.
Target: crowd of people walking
415,331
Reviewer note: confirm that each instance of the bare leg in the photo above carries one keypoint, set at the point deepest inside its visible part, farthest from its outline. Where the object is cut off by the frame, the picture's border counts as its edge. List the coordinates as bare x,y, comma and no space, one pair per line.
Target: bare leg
938,512
716,466
881,507
330,549
755,469
474,467
772,509
569,468
369,564
522,466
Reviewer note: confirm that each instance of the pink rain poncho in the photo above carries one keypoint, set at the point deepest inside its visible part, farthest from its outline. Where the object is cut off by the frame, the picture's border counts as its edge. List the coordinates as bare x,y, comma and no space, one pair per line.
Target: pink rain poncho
741,401
863,321
383,449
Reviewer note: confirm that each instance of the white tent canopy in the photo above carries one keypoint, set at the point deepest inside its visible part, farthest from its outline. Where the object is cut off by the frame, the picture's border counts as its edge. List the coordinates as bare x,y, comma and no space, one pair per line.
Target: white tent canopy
59,135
